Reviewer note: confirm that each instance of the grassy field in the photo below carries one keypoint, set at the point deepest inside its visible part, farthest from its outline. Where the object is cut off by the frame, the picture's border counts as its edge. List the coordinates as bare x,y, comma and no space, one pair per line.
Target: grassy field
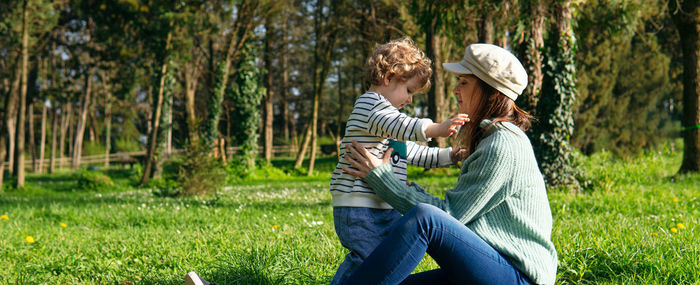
638,225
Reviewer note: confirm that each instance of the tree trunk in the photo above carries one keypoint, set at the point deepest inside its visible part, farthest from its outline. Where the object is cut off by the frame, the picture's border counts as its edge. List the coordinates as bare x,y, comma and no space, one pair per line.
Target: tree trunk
108,126
32,141
486,34
532,55
169,146
687,20
19,151
82,123
268,97
3,146
436,95
285,82
2,156
155,121
54,130
304,146
322,59
11,105
66,111
42,142
71,133
338,128
191,80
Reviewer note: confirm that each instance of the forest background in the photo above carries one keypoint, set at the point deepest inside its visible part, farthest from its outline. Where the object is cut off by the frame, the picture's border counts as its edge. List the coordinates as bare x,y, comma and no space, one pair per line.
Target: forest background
107,77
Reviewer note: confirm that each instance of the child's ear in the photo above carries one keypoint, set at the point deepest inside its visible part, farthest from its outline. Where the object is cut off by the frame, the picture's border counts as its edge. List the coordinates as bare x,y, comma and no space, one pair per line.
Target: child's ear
387,78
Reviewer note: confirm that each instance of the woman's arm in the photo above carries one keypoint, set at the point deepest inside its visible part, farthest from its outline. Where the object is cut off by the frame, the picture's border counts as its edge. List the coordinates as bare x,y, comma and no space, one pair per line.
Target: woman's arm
480,187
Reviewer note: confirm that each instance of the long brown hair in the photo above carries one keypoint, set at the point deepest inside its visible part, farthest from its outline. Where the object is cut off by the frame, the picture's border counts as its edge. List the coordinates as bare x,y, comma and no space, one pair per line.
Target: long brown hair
495,106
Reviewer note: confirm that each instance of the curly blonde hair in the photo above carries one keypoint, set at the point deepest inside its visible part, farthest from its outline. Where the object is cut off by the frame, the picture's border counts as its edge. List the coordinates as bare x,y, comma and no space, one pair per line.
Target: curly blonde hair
400,59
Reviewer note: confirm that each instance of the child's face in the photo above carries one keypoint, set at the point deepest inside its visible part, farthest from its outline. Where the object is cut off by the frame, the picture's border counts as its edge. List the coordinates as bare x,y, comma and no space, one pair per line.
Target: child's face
400,93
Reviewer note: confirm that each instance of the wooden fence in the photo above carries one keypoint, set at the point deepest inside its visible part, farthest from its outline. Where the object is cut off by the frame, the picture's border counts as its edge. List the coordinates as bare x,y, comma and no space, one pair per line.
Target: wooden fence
124,158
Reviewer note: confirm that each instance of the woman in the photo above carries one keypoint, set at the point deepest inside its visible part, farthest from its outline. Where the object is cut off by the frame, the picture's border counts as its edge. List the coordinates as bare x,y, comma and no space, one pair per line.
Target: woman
494,227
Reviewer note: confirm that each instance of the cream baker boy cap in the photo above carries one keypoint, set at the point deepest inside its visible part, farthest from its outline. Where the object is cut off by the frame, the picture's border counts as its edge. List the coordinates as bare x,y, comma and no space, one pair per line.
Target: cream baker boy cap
495,66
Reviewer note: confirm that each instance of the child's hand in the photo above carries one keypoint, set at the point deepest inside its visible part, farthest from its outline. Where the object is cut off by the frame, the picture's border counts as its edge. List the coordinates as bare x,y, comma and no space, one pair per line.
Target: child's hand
446,128
457,155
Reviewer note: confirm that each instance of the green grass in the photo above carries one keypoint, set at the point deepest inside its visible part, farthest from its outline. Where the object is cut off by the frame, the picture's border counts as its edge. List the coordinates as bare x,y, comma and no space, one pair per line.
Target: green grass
279,230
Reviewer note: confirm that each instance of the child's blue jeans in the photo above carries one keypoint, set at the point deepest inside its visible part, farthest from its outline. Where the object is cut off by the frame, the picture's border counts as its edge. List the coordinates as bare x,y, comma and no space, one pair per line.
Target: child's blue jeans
464,257
360,230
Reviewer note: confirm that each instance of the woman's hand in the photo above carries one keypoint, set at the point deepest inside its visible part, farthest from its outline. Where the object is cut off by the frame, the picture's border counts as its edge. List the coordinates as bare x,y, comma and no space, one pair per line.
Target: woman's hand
362,160
457,155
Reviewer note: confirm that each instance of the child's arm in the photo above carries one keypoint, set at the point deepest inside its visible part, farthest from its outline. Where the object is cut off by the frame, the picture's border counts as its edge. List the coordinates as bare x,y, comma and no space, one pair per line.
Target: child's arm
427,157
385,120
446,128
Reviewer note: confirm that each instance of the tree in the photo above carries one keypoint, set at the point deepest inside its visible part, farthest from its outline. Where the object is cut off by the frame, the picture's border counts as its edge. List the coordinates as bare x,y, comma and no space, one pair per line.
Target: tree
534,13
552,132
158,107
686,16
247,92
269,112
235,39
19,151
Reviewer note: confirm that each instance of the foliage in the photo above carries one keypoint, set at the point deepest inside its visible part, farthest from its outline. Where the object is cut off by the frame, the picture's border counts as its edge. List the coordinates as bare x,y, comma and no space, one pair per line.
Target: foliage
163,187
625,93
93,148
236,172
552,131
126,144
211,129
247,91
199,173
88,180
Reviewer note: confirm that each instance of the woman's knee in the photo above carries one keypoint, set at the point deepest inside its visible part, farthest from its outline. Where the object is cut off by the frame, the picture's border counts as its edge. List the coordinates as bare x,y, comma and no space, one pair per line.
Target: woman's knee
423,210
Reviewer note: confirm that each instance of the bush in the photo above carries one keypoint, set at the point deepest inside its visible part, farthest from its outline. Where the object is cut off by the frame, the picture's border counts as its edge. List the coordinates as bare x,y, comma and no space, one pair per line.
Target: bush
199,173
163,187
237,172
93,181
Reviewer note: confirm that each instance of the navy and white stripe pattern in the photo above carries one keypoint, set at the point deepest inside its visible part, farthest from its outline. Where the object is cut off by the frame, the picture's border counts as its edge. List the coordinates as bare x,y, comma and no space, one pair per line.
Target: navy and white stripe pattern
372,122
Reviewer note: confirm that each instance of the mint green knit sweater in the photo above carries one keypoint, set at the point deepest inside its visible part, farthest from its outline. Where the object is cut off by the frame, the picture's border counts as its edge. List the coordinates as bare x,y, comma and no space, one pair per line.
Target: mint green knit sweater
500,195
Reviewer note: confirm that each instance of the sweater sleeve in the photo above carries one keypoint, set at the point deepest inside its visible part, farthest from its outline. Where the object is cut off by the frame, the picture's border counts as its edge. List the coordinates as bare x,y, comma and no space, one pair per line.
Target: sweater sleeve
427,157
386,121
480,187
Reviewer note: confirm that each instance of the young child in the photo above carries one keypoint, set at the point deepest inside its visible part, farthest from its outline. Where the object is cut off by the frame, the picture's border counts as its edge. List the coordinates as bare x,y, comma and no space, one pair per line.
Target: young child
396,71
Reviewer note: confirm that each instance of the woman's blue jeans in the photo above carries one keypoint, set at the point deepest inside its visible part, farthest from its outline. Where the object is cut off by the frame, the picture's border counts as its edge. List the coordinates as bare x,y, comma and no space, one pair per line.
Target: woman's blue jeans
463,257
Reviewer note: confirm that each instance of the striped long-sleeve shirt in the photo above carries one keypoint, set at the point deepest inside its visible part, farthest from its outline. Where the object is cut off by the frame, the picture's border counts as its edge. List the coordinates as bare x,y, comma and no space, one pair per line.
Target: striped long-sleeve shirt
378,125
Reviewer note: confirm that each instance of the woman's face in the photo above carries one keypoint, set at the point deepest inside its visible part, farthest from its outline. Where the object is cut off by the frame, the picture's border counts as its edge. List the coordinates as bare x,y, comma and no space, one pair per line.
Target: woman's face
468,94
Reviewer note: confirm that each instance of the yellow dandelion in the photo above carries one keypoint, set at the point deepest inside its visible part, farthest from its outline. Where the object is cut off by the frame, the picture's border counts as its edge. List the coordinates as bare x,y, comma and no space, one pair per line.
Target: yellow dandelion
675,200
5,217
654,234
103,7
29,239
674,230
63,225
274,226
680,226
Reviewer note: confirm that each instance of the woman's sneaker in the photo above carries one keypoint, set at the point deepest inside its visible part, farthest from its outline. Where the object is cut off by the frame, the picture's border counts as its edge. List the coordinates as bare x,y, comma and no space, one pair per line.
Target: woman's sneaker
194,279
